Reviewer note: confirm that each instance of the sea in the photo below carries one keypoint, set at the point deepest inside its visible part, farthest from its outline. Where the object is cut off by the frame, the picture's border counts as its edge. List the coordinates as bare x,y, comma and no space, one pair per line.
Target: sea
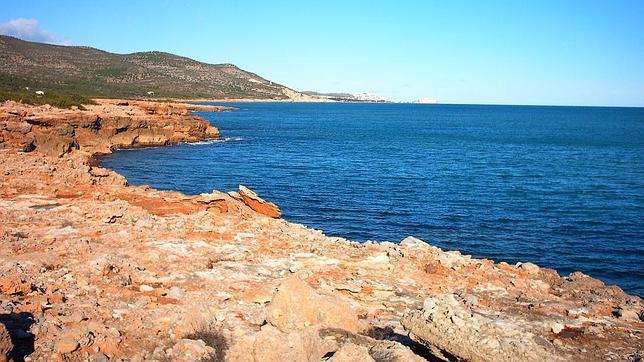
562,187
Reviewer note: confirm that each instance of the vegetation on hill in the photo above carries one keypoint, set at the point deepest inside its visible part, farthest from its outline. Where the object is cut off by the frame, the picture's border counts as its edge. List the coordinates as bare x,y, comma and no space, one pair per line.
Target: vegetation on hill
69,70
11,89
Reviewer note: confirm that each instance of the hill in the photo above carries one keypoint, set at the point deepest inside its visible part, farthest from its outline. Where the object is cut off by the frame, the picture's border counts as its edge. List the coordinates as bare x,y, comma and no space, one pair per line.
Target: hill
96,73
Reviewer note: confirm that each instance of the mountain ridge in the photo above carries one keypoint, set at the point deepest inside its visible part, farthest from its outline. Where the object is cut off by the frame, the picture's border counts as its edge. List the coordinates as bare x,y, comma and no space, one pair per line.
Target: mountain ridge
98,73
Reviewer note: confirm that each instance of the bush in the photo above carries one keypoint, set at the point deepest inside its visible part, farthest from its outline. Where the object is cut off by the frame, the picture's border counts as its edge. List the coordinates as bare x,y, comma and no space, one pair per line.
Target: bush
212,336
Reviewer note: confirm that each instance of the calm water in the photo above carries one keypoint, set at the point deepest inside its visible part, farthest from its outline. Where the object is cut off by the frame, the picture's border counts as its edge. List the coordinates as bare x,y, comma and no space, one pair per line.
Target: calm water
559,186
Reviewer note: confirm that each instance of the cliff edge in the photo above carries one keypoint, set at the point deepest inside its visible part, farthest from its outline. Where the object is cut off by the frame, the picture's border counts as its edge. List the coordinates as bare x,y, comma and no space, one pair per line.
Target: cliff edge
93,269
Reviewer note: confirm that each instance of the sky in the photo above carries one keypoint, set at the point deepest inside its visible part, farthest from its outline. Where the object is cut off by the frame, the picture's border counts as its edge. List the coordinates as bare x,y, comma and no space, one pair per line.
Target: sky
554,52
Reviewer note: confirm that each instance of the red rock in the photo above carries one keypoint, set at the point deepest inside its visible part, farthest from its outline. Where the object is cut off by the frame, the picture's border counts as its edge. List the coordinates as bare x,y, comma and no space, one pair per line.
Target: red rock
12,286
258,204
113,124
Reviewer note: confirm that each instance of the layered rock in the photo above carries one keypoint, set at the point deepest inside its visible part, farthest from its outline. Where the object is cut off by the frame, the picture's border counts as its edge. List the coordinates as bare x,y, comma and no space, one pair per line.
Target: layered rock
449,327
109,125
250,198
92,269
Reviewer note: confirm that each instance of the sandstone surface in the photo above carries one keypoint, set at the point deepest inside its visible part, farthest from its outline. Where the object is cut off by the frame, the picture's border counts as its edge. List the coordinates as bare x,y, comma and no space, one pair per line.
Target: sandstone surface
93,269
258,204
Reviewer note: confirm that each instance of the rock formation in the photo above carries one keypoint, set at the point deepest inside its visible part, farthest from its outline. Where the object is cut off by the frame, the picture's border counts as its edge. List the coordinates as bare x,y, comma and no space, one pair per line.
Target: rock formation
93,269
449,327
109,125
258,204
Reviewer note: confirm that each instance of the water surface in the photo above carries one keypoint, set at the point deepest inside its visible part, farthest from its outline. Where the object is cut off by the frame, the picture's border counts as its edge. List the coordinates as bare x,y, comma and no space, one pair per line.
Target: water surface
559,186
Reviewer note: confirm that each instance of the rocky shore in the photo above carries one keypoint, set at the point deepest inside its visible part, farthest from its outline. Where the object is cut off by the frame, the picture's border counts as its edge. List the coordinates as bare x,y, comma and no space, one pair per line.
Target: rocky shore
94,269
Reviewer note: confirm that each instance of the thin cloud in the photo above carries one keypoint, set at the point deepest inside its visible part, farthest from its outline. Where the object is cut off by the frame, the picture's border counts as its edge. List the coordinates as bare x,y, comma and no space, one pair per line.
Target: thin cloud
29,29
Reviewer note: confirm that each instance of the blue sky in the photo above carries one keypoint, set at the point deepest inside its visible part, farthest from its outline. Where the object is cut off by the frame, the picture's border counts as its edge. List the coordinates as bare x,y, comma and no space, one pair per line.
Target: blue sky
502,52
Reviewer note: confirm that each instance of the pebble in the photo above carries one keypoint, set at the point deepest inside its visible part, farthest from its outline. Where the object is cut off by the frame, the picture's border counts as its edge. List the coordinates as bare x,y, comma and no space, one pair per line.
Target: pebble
145,288
557,328
176,293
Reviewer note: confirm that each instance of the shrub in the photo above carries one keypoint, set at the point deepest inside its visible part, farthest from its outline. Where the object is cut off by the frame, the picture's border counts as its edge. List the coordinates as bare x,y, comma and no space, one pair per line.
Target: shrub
212,336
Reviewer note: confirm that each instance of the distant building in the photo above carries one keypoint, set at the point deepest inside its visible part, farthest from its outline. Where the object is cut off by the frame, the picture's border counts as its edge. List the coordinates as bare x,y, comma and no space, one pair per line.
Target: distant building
40,93
26,88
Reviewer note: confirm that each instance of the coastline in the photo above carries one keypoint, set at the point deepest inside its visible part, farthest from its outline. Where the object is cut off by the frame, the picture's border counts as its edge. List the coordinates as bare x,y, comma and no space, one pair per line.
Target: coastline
132,272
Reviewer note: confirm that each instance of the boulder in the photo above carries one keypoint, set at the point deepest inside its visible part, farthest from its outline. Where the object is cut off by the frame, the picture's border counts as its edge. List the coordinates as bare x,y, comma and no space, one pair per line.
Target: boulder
413,243
530,268
5,343
296,306
447,325
273,345
258,204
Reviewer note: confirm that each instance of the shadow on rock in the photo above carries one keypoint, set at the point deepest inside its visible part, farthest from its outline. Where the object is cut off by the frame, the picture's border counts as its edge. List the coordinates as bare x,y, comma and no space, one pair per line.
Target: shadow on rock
18,325
388,334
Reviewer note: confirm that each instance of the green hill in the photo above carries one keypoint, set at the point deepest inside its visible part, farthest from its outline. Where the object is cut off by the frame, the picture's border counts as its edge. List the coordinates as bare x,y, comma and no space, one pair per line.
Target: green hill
95,73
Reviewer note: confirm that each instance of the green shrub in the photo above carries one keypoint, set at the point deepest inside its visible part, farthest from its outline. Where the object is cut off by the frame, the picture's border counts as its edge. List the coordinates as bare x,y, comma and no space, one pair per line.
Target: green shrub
54,99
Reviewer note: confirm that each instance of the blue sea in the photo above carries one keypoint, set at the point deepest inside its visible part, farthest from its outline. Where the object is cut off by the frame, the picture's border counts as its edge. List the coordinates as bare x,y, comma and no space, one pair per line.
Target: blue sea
562,187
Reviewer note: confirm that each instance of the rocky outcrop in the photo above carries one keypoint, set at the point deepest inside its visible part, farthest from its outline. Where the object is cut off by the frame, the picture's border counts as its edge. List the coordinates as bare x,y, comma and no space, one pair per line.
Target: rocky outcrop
93,269
109,125
449,327
258,204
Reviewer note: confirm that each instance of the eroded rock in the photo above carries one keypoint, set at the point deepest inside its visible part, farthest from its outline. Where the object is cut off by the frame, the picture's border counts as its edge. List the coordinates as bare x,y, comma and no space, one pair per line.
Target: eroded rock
258,204
446,324
296,306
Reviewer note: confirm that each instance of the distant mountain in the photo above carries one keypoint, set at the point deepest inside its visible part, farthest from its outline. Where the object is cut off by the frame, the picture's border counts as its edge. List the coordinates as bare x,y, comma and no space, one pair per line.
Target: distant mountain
96,73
